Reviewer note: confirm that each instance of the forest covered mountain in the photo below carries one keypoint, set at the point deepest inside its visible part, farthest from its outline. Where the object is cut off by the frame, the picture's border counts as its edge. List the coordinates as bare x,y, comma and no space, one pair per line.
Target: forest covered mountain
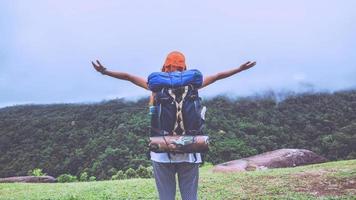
112,135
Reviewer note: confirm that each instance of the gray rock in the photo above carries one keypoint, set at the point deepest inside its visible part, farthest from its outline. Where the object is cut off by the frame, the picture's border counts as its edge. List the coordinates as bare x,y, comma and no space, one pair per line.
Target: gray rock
273,159
28,179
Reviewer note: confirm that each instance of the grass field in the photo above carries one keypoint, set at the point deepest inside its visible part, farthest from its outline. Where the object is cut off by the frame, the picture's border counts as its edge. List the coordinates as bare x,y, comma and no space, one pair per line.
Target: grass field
333,180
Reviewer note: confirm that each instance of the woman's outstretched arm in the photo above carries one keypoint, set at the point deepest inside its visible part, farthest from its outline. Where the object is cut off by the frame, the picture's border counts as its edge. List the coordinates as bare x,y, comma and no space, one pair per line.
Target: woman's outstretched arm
120,75
211,79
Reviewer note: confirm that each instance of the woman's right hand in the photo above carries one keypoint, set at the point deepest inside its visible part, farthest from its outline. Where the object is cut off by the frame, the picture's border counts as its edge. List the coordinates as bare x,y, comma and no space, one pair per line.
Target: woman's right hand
247,65
98,66
120,75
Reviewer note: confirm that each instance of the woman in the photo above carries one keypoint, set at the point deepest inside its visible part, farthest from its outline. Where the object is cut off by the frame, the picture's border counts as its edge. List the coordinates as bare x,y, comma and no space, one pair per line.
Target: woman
185,165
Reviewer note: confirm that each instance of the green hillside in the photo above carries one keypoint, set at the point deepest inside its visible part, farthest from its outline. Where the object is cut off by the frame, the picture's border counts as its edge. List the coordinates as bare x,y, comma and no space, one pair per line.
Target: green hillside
333,180
105,137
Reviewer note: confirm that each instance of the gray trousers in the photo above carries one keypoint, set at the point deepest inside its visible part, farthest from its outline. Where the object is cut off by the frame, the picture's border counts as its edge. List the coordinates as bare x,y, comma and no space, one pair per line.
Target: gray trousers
165,176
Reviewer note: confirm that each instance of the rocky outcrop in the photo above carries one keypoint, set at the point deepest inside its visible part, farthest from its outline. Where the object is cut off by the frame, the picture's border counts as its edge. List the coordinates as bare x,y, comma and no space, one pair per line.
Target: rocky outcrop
28,179
272,159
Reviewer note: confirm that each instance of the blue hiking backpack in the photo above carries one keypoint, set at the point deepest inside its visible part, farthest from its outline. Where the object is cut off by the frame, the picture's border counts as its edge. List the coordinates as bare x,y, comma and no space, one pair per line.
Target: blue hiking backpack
177,108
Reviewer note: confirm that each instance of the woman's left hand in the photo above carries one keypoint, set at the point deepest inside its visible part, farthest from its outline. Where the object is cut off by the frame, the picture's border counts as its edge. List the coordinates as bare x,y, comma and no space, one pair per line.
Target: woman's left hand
98,66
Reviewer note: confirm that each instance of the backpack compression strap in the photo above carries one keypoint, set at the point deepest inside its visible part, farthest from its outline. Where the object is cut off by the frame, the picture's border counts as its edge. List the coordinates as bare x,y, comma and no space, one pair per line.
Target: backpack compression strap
179,105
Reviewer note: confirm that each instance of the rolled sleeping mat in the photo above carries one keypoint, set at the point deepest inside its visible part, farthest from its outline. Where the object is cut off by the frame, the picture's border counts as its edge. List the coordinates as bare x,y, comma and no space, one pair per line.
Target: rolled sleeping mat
158,80
179,144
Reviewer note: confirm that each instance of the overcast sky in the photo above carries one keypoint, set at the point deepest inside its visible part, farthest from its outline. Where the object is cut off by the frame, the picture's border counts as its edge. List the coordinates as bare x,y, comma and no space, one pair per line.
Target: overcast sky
47,46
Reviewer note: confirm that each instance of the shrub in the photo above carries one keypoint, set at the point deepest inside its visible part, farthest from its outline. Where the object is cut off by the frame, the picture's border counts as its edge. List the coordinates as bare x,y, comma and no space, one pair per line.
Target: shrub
112,172
143,172
131,173
66,178
36,172
92,178
150,171
83,176
119,176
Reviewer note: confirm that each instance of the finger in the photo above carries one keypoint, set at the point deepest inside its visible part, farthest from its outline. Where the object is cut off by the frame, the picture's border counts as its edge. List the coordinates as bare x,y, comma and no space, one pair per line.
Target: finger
99,62
93,64
252,64
248,63
97,68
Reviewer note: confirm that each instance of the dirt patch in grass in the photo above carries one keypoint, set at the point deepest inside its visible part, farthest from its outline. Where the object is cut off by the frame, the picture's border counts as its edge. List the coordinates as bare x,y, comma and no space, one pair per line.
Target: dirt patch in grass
320,183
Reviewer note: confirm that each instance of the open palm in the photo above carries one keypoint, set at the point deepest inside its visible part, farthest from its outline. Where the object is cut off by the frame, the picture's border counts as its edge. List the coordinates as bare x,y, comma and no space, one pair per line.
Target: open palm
98,66
247,65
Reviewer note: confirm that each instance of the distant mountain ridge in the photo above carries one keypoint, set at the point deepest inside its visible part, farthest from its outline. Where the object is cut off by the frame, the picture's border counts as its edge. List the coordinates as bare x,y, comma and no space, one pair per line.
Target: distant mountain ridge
104,137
